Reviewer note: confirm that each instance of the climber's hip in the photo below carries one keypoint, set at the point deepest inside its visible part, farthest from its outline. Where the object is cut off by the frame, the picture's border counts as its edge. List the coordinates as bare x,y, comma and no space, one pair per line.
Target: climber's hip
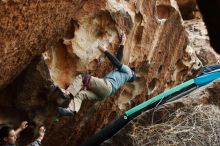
101,87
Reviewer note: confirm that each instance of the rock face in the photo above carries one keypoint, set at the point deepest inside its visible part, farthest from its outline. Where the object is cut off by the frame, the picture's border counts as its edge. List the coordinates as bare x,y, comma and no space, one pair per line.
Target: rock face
27,98
29,28
69,32
191,120
199,45
187,121
154,46
151,36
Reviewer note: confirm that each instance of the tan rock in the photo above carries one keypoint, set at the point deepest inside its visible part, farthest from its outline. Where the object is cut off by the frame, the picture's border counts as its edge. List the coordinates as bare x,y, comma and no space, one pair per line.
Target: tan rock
29,28
70,32
155,46
199,50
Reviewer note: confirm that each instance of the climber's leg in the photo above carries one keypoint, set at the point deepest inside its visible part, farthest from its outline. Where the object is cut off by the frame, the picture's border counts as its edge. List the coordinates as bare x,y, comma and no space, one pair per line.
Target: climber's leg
75,86
76,102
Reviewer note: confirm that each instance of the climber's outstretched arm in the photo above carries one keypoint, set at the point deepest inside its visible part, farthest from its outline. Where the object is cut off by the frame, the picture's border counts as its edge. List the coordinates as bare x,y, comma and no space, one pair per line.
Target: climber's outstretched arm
112,58
119,54
116,61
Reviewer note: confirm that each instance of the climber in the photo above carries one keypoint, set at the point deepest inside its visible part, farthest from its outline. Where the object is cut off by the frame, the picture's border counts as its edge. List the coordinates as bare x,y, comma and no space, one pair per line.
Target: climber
93,88
8,135
208,68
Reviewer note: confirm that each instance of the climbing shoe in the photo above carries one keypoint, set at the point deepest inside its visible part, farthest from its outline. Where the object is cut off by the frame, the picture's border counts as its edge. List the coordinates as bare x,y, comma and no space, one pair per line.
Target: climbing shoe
65,112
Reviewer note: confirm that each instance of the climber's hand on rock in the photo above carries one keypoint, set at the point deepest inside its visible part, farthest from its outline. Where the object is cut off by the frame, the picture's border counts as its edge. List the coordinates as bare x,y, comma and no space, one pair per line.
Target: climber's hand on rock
122,38
103,47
